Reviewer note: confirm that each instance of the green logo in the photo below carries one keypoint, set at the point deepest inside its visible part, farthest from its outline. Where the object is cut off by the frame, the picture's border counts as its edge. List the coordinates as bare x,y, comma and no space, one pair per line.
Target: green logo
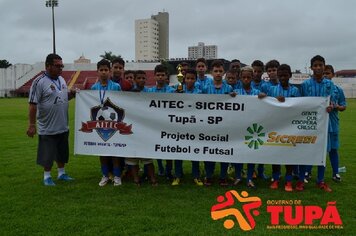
253,138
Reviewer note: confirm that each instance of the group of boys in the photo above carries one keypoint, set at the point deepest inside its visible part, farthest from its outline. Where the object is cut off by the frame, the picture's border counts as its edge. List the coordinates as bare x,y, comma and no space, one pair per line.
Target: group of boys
245,81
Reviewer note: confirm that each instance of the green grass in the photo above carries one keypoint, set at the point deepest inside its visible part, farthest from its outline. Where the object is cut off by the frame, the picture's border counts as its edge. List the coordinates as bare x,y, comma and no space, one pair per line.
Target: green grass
83,208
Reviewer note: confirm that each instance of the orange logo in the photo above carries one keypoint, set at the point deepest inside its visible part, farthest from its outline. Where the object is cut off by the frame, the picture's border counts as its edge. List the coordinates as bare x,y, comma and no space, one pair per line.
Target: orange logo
224,209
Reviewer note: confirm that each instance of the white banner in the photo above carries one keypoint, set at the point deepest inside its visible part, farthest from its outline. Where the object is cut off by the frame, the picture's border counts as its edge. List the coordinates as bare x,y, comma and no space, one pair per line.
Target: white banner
243,129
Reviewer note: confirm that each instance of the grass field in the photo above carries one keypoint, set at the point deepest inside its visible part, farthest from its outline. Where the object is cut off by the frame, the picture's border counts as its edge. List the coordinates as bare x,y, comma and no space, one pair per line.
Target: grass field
84,208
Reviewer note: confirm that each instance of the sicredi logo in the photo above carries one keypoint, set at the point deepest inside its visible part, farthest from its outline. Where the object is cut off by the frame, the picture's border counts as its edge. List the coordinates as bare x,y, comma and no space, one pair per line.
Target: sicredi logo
256,137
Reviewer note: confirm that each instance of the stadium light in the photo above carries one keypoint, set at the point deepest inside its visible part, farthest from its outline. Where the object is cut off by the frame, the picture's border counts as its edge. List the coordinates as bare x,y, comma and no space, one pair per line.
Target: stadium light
52,4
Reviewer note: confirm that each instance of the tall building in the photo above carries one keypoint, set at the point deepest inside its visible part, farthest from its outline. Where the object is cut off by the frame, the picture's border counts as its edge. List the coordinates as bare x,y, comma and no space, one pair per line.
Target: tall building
152,37
202,51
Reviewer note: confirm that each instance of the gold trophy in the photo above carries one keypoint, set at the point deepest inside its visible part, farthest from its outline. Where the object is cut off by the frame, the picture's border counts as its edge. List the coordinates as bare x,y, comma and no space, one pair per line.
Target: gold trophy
180,77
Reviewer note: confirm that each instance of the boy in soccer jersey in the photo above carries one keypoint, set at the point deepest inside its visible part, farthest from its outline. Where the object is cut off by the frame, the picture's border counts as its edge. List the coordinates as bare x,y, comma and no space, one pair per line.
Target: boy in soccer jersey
161,76
280,92
246,75
232,79
140,82
333,134
271,69
133,163
202,79
188,87
318,86
257,82
48,104
106,84
217,87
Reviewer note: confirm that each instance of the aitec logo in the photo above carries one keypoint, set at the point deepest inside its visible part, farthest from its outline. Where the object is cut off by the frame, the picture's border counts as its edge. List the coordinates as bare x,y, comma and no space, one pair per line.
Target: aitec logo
106,119
256,137
245,217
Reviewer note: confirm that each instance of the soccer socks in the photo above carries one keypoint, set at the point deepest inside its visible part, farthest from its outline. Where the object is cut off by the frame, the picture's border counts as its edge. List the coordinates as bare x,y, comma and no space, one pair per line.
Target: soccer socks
238,170
223,169
105,170
334,160
61,171
116,171
321,173
46,174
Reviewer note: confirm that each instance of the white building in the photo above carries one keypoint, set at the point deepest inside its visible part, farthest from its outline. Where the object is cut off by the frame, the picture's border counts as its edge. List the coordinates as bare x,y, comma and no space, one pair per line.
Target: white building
152,38
203,51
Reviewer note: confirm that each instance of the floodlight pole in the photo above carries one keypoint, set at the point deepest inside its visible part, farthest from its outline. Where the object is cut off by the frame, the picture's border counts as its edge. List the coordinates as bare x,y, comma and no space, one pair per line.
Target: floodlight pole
52,4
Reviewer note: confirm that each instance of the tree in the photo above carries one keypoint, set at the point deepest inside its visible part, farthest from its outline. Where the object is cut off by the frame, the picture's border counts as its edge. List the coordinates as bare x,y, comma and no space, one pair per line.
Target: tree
4,64
109,56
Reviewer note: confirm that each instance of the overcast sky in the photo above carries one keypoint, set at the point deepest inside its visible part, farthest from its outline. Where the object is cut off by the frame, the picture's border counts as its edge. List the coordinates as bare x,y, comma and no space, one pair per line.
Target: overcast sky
289,31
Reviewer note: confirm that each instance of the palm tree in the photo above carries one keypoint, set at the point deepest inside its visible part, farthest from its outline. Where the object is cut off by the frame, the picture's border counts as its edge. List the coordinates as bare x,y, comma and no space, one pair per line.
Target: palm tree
4,64
109,56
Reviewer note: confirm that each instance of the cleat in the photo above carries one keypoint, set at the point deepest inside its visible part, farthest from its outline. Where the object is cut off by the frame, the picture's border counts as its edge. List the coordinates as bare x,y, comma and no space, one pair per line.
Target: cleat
117,181
104,180
250,184
288,187
236,182
176,182
208,182
65,177
299,186
49,182
337,178
323,186
198,182
223,183
274,184
263,176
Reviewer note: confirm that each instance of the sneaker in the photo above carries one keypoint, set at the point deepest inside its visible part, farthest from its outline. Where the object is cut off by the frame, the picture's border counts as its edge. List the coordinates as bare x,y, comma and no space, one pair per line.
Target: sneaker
236,182
198,182
288,187
337,178
306,181
322,185
223,183
104,180
307,176
169,177
65,177
250,184
274,185
299,186
49,182
263,176
160,173
208,182
176,182
117,181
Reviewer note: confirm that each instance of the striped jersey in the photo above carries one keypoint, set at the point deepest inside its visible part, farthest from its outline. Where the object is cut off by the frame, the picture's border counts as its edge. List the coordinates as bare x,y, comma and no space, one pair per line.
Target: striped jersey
278,90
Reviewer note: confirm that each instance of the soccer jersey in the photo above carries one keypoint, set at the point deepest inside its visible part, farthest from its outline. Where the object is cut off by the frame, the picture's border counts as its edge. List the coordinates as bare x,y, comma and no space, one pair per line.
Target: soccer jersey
257,86
312,88
202,83
278,90
334,115
238,85
252,91
266,86
194,90
165,89
211,89
137,89
112,86
51,97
